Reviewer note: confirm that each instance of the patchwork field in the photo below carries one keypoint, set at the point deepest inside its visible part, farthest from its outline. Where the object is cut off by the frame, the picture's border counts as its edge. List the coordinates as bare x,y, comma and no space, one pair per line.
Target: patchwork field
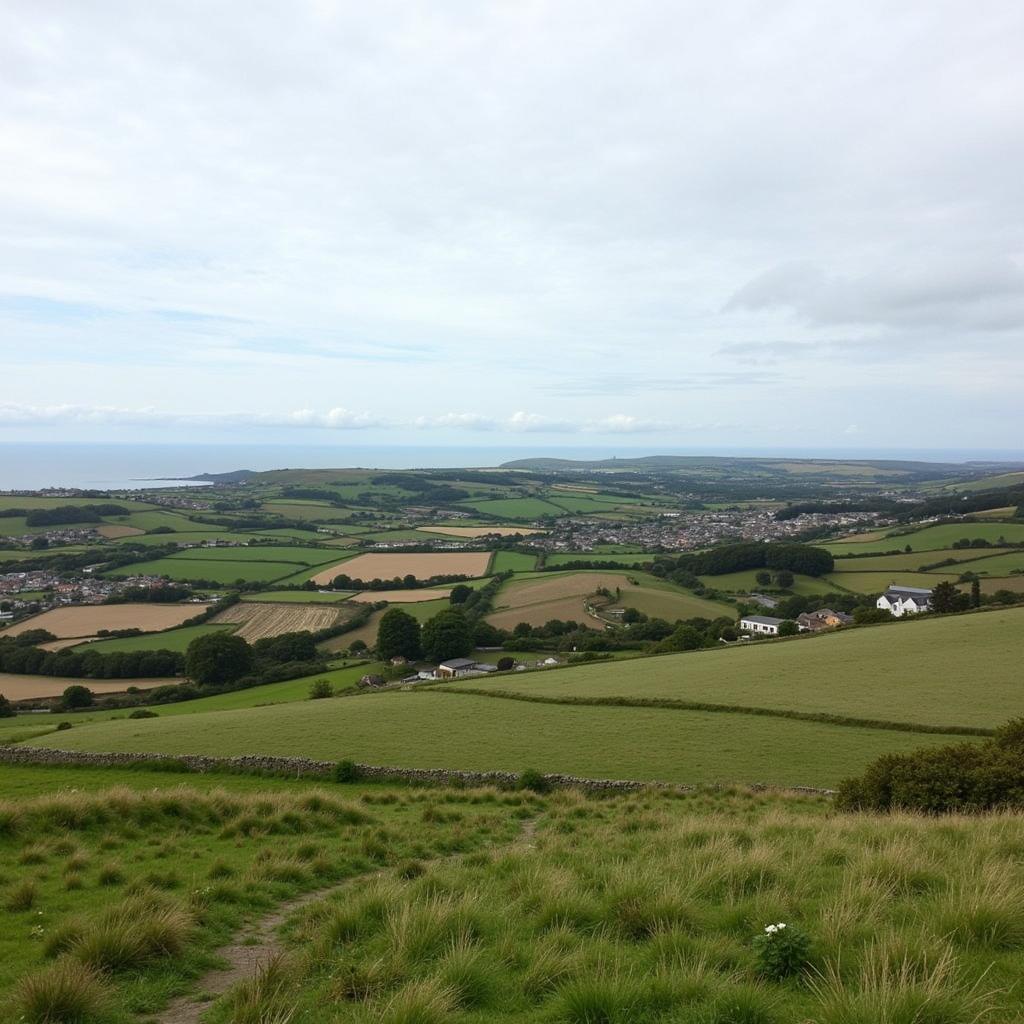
875,583
480,531
930,538
19,687
422,565
300,596
112,532
746,582
516,508
171,640
217,570
86,620
630,558
513,561
258,620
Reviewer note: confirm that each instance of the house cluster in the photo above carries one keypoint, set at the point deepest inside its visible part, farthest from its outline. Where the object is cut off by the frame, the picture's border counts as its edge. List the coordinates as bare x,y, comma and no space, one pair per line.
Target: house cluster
48,589
453,668
807,622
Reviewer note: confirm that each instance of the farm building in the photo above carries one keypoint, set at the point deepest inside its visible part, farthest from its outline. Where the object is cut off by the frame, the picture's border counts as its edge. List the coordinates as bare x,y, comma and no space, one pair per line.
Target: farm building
767,625
905,600
456,668
823,618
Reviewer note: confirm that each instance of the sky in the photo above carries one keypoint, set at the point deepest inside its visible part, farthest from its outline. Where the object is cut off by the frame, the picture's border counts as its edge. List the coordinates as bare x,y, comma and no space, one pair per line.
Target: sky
643,222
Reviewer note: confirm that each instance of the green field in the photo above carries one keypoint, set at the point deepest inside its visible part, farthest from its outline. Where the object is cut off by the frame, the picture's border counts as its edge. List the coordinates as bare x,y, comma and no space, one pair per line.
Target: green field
402,729
955,671
300,596
169,640
224,572
931,538
182,537
151,520
513,561
745,582
997,565
874,583
912,561
19,501
625,558
519,509
262,553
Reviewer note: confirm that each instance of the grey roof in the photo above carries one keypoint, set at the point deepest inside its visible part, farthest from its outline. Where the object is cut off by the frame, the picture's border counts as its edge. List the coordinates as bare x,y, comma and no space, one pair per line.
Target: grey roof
908,592
764,620
457,663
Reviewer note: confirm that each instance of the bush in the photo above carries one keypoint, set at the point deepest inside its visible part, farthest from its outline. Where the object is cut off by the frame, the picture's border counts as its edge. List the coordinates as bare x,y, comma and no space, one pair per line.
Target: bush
320,689
347,771
218,658
782,951
533,780
76,696
6,708
143,713
61,726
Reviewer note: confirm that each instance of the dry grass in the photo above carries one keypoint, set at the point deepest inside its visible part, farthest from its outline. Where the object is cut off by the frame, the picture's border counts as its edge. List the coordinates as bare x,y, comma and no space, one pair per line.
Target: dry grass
479,531
402,596
396,565
87,620
258,620
17,687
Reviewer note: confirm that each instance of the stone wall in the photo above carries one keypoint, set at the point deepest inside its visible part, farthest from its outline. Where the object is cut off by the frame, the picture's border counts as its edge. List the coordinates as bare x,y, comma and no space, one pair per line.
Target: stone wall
259,764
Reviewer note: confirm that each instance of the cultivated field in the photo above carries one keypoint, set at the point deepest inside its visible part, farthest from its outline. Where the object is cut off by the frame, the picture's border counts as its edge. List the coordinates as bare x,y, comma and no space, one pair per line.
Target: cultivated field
86,620
402,596
217,570
930,538
19,687
300,596
258,620
421,565
171,640
112,532
479,531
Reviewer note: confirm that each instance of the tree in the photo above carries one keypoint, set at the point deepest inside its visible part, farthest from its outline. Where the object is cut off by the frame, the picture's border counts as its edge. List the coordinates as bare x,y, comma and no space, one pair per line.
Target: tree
217,659
37,543
788,628
946,598
763,578
447,635
631,615
460,594
357,646
784,579
321,688
7,708
398,636
975,593
76,696
506,663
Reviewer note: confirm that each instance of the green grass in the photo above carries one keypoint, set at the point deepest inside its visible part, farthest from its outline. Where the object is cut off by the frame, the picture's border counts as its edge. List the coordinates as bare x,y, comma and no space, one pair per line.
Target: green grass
745,582
169,640
151,520
512,561
626,558
225,572
262,553
300,596
997,565
912,561
182,537
932,538
874,583
958,670
517,509
17,501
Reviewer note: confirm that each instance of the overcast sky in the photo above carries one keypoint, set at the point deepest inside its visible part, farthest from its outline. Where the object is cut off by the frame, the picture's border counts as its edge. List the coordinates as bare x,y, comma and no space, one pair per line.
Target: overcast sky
642,222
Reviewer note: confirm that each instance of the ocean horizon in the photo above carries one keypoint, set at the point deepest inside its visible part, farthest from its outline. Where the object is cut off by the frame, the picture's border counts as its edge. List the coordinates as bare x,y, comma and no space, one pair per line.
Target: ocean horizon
37,465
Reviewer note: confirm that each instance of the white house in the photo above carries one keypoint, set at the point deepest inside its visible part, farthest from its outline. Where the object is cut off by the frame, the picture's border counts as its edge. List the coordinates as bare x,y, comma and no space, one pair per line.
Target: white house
905,600
766,624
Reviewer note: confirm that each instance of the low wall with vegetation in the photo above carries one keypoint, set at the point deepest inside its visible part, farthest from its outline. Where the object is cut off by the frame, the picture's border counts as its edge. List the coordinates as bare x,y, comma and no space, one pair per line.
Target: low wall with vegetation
259,764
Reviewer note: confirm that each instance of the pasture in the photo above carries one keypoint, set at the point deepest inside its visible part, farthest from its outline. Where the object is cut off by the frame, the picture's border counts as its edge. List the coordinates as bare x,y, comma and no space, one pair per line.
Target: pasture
258,620
403,596
261,553
745,582
220,571
874,583
422,565
171,640
150,520
956,671
516,508
929,538
86,620
623,558
513,561
300,596
402,728
479,531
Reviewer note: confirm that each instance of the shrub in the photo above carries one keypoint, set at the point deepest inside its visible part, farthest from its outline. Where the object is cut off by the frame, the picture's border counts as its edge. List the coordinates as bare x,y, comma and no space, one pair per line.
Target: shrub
76,696
21,898
6,708
65,993
782,951
143,713
347,771
320,689
61,726
533,780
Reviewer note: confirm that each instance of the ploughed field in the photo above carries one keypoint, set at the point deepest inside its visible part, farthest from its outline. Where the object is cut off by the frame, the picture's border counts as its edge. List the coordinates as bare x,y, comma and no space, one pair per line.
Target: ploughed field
473,905
258,620
87,620
422,565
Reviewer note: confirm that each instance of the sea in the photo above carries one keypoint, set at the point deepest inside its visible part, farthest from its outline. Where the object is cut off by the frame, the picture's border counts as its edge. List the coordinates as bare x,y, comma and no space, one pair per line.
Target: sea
38,465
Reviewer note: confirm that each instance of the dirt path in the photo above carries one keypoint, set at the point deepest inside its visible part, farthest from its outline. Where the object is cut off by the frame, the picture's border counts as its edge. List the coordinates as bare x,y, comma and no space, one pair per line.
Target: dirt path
258,943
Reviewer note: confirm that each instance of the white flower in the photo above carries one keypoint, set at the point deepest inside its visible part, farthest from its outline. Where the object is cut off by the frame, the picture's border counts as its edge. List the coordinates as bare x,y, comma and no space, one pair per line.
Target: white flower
780,925
771,929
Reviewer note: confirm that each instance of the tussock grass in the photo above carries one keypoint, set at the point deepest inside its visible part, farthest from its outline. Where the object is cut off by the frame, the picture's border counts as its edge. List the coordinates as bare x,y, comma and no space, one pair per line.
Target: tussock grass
66,992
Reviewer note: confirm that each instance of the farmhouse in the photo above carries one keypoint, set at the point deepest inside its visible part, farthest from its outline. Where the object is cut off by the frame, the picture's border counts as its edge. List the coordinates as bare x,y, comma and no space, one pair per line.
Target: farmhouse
823,618
766,624
905,600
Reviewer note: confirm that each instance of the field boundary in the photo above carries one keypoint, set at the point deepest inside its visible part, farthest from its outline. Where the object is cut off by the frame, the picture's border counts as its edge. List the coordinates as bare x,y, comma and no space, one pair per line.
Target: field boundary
299,767
670,704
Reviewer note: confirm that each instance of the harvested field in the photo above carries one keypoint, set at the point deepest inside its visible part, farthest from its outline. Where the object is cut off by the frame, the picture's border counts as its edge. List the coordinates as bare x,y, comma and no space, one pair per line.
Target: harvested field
112,531
264,619
401,596
367,633
396,565
87,620
18,687
478,531
68,641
